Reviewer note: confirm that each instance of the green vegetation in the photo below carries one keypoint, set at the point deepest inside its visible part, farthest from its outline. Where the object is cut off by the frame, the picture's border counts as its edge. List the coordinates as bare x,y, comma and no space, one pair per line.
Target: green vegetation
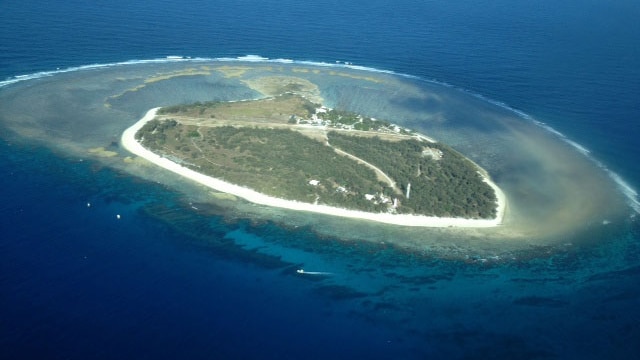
198,106
255,144
275,109
449,185
276,162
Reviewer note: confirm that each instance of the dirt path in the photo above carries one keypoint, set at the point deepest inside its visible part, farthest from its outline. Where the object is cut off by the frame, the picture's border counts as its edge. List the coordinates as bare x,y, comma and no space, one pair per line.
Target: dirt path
380,175
313,132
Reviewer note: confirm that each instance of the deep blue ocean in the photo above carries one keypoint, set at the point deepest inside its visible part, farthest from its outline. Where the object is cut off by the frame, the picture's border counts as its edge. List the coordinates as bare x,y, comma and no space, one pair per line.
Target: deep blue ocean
77,283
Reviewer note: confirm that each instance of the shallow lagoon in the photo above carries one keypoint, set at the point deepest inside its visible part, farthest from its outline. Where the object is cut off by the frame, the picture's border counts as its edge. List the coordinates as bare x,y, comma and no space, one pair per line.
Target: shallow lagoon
555,193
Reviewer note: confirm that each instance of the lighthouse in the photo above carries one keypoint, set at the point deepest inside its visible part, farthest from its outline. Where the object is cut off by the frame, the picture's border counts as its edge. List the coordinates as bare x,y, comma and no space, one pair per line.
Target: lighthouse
408,190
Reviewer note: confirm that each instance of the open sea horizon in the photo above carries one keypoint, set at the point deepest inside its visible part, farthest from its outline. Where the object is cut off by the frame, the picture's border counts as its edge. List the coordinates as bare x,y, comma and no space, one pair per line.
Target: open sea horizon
159,282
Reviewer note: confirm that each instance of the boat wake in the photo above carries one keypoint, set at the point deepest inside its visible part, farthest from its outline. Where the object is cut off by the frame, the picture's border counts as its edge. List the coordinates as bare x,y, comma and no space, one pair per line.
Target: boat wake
301,271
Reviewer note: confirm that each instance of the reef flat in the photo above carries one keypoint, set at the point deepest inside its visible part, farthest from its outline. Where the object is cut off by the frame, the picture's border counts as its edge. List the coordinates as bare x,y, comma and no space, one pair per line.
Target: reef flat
82,114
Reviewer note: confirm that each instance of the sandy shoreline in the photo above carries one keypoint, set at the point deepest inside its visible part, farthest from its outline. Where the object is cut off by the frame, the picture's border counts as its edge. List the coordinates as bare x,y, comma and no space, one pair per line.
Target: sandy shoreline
129,142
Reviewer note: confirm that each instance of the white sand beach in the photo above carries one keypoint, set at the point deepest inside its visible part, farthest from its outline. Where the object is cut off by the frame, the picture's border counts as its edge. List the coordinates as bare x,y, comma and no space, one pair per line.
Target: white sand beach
129,142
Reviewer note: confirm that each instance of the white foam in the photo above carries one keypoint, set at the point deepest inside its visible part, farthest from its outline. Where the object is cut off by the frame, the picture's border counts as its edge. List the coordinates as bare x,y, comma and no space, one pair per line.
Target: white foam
252,58
579,147
180,58
42,74
629,192
549,128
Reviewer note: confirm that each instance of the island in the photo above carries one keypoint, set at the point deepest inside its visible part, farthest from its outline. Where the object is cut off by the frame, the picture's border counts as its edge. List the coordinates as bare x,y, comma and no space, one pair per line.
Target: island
291,152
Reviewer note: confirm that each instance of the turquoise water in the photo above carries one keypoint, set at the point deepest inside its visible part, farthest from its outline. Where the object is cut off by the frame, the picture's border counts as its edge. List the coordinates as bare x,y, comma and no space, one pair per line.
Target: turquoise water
167,281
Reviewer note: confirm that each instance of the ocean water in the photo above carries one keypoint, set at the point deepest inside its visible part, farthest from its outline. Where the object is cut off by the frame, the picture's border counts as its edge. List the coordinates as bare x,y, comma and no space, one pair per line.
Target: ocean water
165,282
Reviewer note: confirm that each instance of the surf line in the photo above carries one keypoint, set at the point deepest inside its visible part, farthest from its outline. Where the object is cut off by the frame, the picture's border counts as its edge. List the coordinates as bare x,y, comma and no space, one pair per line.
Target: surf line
301,271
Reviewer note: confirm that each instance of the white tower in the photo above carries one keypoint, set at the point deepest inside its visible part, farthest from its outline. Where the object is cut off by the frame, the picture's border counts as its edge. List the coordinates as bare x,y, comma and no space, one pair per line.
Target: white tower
408,189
